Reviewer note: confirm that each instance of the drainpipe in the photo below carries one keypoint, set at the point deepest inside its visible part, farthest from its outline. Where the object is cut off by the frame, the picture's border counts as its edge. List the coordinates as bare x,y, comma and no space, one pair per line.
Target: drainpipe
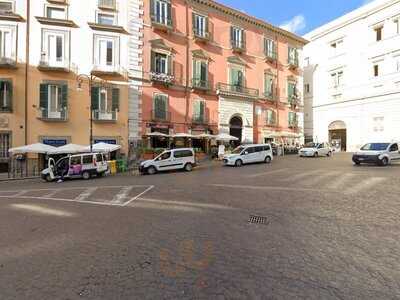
27,48
187,94
277,80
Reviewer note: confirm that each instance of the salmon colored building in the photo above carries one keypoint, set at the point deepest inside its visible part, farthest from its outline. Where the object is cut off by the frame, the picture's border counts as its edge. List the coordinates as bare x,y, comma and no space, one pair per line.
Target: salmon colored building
211,69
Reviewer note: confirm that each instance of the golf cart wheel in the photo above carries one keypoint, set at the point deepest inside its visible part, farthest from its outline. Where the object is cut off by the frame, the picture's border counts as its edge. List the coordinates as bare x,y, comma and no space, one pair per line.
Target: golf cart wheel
86,175
188,168
151,170
238,163
267,160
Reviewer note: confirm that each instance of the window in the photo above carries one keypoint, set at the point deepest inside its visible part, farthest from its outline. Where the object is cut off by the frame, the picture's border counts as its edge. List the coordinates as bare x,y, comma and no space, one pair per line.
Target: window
292,94
200,25
106,19
269,48
7,45
236,77
54,48
337,79
5,144
397,63
87,159
271,117
53,100
77,160
237,37
99,158
105,102
376,70
160,107
268,85
378,33
183,153
200,73
379,124
199,111
292,119
56,12
6,7
106,51
307,88
165,156
293,56
394,148
397,25
307,62
5,95
161,12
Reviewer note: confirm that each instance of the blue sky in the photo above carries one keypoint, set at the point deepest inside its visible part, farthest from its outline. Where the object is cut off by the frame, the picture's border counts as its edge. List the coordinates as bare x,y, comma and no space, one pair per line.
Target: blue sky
300,16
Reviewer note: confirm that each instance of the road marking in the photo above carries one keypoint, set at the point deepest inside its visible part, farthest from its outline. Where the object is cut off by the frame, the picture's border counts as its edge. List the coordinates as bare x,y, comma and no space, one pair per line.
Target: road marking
367,183
138,196
52,194
341,180
272,188
43,210
301,175
86,194
122,195
266,173
19,193
182,203
315,179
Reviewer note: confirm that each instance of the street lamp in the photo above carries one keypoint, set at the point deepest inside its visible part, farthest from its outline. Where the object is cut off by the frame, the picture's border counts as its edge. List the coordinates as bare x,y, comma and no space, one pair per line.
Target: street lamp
92,81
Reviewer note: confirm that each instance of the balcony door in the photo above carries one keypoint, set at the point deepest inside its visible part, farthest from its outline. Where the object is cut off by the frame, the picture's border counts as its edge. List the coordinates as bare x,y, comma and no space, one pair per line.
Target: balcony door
54,48
236,79
106,49
6,47
105,105
161,12
54,102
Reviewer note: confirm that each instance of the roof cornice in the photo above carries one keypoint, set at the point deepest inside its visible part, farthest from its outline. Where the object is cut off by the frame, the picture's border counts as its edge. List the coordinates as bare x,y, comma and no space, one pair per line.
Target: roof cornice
249,19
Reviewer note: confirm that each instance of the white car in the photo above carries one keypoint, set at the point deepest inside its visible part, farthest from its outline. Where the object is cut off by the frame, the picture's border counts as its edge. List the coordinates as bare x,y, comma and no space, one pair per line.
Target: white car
315,150
175,159
83,165
377,153
248,154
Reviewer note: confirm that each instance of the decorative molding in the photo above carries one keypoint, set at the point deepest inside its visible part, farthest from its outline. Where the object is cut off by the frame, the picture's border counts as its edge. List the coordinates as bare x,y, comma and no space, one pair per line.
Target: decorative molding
109,28
56,22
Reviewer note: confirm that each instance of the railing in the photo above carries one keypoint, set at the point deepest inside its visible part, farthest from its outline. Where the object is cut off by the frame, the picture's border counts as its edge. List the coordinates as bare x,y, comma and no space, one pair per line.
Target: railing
161,115
200,119
201,34
160,20
47,115
7,107
271,96
64,65
229,89
108,4
272,55
105,116
293,62
238,45
10,61
162,78
200,84
110,69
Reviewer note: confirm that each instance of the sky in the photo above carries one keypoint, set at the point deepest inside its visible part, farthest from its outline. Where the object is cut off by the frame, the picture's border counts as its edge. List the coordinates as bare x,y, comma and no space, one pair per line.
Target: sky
298,16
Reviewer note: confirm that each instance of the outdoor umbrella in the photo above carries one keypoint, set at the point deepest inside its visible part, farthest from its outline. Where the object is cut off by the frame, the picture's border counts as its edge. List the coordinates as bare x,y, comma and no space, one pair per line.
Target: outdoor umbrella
157,134
33,148
226,137
69,149
182,135
204,136
104,147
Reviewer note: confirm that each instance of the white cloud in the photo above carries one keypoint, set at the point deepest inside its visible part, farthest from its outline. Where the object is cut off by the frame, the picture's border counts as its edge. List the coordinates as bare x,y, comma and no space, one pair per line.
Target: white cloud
294,25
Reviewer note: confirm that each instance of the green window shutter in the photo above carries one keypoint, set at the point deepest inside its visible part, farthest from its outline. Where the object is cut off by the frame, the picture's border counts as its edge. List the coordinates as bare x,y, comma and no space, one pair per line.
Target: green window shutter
152,9
153,61
243,41
203,71
232,34
232,76
194,28
196,109
240,78
207,26
115,99
64,96
44,95
9,87
169,63
95,97
195,70
169,12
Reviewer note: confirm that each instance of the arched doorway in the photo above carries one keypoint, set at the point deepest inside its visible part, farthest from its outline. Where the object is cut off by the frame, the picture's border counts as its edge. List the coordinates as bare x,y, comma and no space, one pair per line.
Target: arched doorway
236,129
338,135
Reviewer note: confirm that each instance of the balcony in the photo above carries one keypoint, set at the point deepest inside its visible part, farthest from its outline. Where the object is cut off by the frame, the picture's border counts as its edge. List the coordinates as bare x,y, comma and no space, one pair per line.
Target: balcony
162,78
198,84
200,119
47,65
201,35
109,70
108,4
161,23
293,63
270,96
294,124
108,116
236,90
238,46
271,56
8,62
53,116
161,116
60,2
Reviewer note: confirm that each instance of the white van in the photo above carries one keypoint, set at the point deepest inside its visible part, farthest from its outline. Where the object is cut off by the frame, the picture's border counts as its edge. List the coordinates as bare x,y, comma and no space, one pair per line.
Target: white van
83,165
315,150
175,159
377,153
248,154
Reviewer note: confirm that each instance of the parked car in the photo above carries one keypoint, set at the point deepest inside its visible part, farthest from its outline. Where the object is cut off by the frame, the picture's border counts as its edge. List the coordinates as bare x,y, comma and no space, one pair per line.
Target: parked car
175,159
83,165
315,150
377,153
247,154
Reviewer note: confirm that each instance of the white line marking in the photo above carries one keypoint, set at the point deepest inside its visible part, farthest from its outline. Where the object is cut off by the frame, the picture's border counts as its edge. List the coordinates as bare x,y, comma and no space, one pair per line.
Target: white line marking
301,175
181,203
272,188
19,194
76,188
42,210
51,194
363,185
266,173
86,194
138,196
122,195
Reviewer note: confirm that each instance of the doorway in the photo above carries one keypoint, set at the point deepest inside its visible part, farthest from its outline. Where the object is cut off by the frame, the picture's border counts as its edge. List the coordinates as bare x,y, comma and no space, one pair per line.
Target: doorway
236,129
338,135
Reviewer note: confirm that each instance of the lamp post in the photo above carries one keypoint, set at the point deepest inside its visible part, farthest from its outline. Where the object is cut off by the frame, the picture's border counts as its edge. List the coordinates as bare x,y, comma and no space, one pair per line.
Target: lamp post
92,82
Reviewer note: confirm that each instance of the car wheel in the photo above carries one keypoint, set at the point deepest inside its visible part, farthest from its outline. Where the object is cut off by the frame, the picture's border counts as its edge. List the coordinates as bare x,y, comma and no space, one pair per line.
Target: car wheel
329,154
238,163
357,163
48,178
384,161
151,170
316,154
188,168
267,160
86,175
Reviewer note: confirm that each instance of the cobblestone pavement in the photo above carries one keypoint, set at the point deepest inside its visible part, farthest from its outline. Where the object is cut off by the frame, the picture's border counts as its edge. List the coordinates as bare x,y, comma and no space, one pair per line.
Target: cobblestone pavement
332,232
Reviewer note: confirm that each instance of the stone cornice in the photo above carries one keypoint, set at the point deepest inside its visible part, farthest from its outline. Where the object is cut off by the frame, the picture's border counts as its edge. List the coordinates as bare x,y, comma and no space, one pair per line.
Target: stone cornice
249,19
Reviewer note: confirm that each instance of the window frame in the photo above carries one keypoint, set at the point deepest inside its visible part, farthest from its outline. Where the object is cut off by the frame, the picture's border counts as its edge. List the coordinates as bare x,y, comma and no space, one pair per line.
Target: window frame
8,51
166,111
55,7
6,104
12,2
46,33
107,13
202,114
115,40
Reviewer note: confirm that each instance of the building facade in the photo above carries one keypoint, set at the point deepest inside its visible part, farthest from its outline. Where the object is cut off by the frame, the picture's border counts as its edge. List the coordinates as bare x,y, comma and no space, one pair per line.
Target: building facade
352,77
45,48
211,69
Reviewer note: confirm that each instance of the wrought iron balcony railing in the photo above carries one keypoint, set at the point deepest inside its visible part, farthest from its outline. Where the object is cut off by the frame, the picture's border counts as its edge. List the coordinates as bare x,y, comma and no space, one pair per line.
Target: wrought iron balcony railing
60,115
160,115
161,22
162,78
236,90
200,84
238,45
200,119
201,34
105,115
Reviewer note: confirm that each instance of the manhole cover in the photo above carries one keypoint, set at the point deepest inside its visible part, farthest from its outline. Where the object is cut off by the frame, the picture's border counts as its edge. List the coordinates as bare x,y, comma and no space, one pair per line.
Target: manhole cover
258,220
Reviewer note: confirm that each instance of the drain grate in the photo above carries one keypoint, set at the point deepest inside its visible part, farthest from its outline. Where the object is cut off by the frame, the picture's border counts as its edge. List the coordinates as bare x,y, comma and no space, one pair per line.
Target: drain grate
258,220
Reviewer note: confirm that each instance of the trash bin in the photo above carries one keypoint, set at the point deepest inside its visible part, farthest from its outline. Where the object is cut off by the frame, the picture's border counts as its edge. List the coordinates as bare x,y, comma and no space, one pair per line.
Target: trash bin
121,166
112,165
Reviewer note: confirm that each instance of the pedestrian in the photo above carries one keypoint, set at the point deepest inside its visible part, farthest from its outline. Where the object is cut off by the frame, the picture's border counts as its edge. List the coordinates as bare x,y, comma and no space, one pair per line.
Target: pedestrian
63,170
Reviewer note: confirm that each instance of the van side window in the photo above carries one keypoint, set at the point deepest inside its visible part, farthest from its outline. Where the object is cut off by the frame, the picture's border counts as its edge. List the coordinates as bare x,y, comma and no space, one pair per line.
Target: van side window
87,159
394,147
99,157
267,148
259,149
165,156
76,160
251,150
183,153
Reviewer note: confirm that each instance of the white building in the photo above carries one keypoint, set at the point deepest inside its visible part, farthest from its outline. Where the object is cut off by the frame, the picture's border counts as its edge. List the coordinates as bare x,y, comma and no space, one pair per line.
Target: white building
352,77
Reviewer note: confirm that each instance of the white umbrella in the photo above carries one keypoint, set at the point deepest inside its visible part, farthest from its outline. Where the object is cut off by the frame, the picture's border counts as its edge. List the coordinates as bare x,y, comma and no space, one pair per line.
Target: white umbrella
204,136
103,147
182,135
33,148
157,134
226,137
69,149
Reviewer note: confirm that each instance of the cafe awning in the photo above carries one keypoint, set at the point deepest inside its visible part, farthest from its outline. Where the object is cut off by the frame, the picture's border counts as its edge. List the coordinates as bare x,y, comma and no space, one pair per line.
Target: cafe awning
33,148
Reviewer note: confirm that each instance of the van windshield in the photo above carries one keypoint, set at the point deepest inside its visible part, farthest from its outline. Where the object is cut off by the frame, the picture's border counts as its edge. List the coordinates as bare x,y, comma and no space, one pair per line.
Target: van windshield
375,146
238,150
311,145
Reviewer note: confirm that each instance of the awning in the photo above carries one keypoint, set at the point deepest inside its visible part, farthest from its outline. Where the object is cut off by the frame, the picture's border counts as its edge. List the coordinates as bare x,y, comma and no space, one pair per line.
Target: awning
182,135
103,147
33,148
69,149
156,134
